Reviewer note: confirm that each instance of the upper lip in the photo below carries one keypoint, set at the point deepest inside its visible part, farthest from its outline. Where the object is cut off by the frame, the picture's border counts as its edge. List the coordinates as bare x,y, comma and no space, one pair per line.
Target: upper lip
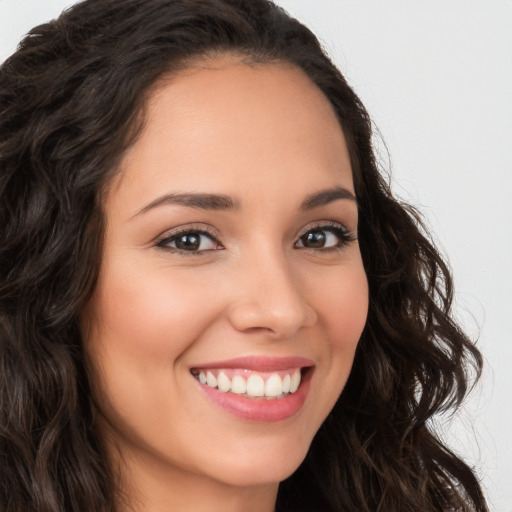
259,363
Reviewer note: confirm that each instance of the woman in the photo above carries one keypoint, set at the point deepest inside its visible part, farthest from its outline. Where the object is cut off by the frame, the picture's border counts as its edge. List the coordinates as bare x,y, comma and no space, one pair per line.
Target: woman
210,299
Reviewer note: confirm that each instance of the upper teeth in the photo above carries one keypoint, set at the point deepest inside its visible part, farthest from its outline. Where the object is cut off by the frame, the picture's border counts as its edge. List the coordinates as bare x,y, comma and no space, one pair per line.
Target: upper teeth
251,384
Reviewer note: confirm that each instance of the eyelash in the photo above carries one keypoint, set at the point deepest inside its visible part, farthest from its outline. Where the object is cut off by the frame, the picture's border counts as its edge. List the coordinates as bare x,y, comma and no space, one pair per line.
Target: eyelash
341,232
164,242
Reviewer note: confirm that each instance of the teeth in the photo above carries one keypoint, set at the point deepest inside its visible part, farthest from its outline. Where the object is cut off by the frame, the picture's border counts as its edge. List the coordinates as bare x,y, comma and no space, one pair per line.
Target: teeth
239,385
254,386
223,383
295,381
274,386
211,380
286,384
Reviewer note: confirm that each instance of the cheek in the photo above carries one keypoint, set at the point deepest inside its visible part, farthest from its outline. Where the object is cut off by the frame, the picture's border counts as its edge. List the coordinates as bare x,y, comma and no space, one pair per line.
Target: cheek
144,321
343,307
151,315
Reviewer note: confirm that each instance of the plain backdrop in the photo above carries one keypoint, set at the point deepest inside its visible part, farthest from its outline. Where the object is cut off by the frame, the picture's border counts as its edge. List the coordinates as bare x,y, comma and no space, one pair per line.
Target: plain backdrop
436,76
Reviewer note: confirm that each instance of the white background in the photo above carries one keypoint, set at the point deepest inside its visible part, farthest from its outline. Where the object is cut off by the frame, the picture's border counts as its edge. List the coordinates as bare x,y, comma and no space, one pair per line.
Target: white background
436,76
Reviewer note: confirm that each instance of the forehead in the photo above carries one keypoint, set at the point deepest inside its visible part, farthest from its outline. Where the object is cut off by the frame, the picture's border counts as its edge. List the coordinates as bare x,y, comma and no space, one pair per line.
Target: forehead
222,124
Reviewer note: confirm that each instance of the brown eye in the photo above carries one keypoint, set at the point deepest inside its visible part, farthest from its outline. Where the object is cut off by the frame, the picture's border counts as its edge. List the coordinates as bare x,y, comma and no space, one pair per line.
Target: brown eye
314,239
189,241
325,237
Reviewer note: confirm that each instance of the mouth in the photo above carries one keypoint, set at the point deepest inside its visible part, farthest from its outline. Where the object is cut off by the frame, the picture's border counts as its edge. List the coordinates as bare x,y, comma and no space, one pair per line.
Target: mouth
251,383
255,388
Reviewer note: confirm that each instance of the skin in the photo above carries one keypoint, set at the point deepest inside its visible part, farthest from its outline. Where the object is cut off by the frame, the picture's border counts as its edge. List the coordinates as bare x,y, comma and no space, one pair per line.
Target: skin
265,136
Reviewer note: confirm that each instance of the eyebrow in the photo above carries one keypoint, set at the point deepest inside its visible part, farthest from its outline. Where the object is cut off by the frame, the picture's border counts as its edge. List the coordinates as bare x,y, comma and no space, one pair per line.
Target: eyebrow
327,196
200,201
222,202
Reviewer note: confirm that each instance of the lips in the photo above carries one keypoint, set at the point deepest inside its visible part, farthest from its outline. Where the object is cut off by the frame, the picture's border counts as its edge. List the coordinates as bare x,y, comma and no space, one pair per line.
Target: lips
256,388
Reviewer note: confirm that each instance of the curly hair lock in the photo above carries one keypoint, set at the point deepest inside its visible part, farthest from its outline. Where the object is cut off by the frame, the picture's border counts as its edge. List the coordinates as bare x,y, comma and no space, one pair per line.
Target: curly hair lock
71,102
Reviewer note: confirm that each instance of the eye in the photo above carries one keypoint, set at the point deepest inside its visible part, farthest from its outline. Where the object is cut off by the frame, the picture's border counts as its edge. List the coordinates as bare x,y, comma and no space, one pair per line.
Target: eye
331,236
189,240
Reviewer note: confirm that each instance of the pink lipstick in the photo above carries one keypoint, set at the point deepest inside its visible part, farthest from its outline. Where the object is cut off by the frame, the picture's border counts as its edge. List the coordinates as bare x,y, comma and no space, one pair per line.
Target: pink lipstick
260,389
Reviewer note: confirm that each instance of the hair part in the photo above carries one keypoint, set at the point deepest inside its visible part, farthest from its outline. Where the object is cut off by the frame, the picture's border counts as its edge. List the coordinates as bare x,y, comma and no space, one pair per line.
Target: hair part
72,102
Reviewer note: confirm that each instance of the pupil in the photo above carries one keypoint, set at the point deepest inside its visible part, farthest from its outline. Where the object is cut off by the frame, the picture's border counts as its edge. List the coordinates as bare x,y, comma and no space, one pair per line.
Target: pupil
188,242
314,239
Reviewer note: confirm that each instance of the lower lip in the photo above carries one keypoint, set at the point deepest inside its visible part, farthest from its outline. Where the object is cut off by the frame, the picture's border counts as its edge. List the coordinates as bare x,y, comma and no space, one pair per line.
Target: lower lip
260,409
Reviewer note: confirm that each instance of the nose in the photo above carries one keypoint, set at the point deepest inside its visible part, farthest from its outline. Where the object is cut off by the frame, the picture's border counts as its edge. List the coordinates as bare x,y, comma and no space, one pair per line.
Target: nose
269,299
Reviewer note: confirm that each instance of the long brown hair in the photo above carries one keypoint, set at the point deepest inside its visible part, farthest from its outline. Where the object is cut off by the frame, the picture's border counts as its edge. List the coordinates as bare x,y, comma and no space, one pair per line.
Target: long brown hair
71,102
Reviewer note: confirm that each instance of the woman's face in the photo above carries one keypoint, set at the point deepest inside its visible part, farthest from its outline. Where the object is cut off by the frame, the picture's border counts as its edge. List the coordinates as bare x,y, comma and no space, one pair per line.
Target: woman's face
230,261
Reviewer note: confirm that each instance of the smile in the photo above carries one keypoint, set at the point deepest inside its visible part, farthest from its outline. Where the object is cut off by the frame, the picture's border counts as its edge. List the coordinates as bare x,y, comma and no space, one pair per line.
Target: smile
250,383
260,389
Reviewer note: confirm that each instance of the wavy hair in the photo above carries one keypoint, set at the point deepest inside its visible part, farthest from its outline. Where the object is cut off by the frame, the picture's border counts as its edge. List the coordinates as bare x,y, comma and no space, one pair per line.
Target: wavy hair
72,101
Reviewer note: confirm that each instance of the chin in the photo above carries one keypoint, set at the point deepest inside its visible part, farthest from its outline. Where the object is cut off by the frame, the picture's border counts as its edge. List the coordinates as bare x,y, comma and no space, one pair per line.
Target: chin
263,467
